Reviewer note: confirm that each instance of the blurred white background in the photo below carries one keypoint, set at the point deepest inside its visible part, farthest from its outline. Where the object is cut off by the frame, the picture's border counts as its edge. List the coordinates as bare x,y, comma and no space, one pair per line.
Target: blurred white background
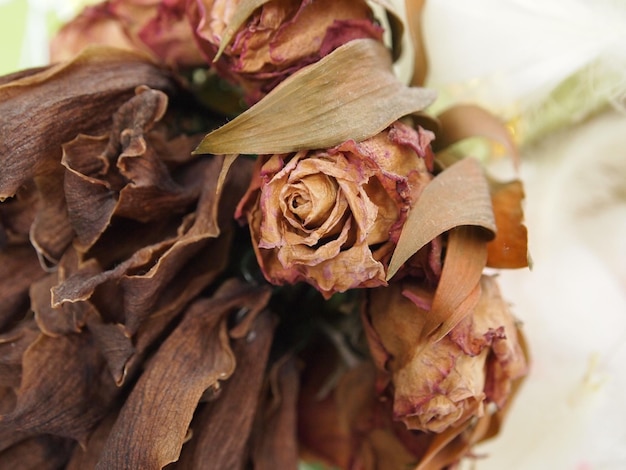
547,67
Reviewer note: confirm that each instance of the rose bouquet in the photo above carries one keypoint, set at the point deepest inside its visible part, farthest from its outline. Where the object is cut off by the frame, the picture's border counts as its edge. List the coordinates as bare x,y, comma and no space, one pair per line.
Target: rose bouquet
232,237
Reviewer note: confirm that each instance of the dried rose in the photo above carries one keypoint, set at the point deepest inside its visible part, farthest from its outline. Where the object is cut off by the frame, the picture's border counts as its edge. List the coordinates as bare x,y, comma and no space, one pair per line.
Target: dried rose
350,427
158,27
438,385
331,217
278,38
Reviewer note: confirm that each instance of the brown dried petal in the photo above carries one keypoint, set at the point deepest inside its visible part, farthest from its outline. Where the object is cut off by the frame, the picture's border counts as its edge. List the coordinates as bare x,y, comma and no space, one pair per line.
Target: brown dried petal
115,344
86,457
17,215
274,439
235,406
51,232
58,103
65,373
123,175
19,267
13,344
41,452
141,278
54,321
150,430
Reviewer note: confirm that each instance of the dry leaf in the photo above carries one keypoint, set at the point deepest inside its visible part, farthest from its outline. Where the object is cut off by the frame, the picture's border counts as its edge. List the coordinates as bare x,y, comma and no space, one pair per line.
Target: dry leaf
457,196
458,290
509,249
396,25
351,93
414,11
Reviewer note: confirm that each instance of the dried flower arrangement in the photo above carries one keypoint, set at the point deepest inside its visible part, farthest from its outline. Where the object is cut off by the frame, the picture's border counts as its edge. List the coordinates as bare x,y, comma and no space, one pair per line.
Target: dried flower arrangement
231,237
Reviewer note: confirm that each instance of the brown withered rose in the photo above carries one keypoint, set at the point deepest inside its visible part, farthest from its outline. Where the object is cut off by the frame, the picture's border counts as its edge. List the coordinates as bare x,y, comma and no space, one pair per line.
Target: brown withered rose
331,217
278,38
126,330
157,27
439,385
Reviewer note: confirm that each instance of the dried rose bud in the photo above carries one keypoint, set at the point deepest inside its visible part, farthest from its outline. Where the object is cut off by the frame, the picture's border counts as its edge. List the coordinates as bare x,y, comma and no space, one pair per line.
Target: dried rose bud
441,384
279,37
331,217
157,27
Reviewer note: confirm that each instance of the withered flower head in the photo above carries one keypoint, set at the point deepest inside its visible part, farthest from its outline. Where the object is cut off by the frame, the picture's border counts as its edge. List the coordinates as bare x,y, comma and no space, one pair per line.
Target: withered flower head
331,217
437,385
278,38
106,191
157,27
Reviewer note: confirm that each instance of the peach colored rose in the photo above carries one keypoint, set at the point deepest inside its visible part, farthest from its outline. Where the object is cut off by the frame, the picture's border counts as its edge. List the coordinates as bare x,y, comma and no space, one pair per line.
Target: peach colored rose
443,384
332,217
279,38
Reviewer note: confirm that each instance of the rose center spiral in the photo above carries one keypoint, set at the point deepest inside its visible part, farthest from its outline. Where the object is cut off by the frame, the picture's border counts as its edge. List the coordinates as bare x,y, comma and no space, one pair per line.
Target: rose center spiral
312,198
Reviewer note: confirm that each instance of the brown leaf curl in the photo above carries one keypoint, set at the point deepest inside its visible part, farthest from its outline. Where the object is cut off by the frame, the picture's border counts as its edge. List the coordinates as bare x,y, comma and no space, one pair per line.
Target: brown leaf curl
509,249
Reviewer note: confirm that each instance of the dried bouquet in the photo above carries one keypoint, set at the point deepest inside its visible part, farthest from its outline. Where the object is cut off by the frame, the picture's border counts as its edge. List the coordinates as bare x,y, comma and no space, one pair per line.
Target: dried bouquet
231,237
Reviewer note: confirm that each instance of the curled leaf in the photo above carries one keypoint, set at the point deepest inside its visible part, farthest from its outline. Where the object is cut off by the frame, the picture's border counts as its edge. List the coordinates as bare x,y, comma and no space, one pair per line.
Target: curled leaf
509,249
351,93
414,10
396,25
458,290
457,196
